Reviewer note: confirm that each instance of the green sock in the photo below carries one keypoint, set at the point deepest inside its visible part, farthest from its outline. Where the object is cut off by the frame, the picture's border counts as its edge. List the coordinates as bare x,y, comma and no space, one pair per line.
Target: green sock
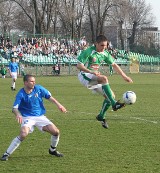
107,92
105,106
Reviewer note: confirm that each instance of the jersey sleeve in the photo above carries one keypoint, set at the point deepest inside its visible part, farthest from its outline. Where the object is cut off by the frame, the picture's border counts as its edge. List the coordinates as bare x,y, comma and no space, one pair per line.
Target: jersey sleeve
18,99
44,92
108,58
84,55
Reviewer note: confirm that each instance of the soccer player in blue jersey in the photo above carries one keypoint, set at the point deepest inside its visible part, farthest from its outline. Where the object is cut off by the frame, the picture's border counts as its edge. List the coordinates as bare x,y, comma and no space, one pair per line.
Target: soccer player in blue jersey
13,71
29,111
89,62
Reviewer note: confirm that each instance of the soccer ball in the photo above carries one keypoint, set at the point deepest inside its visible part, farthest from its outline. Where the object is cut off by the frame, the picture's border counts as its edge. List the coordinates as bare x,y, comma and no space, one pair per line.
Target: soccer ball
129,97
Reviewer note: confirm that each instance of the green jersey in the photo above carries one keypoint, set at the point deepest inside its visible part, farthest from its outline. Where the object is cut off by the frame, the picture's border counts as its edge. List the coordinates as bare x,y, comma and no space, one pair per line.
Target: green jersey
94,58
3,71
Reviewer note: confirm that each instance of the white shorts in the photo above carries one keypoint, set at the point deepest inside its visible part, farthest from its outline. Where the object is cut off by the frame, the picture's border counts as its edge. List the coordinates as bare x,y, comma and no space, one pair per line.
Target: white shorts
35,121
14,75
90,81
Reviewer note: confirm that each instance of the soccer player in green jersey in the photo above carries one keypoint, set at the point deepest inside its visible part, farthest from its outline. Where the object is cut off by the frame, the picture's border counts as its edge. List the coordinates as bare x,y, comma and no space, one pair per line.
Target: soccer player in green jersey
90,77
3,71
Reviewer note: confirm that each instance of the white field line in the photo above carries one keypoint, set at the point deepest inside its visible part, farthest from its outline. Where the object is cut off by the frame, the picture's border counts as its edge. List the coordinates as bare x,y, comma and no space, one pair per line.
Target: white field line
142,119
89,113
136,118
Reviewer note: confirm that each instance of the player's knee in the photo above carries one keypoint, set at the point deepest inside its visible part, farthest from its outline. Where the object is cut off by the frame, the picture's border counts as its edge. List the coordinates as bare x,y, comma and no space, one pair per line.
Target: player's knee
23,135
56,132
104,79
24,132
52,129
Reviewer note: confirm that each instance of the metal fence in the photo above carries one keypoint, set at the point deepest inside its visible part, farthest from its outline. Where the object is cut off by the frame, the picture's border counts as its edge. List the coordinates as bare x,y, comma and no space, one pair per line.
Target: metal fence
42,66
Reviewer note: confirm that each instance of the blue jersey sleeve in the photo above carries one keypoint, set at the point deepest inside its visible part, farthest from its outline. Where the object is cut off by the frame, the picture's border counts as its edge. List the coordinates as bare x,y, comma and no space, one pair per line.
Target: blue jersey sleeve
44,92
18,99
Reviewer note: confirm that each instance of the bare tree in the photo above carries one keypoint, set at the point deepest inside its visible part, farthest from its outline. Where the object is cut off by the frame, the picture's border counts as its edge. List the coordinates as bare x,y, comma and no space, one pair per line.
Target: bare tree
65,16
130,16
80,16
139,15
71,14
41,14
76,17
7,12
99,12
119,14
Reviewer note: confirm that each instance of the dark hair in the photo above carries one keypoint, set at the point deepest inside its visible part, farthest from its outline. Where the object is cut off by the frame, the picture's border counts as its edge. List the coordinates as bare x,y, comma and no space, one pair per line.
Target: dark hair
26,77
101,38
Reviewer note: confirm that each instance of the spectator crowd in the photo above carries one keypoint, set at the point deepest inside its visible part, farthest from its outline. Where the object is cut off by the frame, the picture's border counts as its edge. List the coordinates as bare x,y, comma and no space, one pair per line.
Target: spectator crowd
41,46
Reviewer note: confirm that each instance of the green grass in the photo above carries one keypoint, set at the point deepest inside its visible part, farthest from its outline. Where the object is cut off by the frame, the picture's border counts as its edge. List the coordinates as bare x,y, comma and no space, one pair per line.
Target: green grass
130,145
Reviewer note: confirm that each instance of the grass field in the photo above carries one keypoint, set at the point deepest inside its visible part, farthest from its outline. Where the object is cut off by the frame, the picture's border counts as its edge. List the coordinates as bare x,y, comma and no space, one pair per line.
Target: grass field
130,145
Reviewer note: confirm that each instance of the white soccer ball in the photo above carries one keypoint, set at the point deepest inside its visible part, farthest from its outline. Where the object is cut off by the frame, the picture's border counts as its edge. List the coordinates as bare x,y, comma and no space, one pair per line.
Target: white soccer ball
129,97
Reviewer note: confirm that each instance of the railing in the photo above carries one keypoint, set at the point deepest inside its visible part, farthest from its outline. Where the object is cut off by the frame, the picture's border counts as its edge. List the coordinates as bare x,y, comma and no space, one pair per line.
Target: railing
146,63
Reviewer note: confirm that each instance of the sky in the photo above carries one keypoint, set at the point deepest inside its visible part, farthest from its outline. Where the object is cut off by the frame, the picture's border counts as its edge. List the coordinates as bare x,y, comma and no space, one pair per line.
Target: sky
155,5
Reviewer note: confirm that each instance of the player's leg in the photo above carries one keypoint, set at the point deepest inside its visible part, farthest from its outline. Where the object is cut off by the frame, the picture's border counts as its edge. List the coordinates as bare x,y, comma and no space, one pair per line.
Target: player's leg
101,116
13,83
15,143
105,106
106,88
108,92
54,131
106,103
85,78
44,124
90,80
14,78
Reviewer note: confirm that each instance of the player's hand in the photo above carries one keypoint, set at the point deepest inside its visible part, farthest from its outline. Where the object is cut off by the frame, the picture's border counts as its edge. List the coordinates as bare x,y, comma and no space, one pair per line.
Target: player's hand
128,79
62,109
19,119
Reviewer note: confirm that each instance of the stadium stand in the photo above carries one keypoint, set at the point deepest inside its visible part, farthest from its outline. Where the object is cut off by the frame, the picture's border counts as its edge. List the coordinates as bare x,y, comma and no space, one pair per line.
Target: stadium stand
39,51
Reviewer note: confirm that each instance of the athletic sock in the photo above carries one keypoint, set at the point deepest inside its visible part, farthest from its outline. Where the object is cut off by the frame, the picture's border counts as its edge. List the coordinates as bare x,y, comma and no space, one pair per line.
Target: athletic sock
54,141
105,106
14,85
52,149
14,145
108,93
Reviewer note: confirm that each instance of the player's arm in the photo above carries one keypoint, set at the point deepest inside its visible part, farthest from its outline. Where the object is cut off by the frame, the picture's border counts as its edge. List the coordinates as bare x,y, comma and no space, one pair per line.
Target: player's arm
60,107
83,59
120,72
47,95
82,67
15,110
17,114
